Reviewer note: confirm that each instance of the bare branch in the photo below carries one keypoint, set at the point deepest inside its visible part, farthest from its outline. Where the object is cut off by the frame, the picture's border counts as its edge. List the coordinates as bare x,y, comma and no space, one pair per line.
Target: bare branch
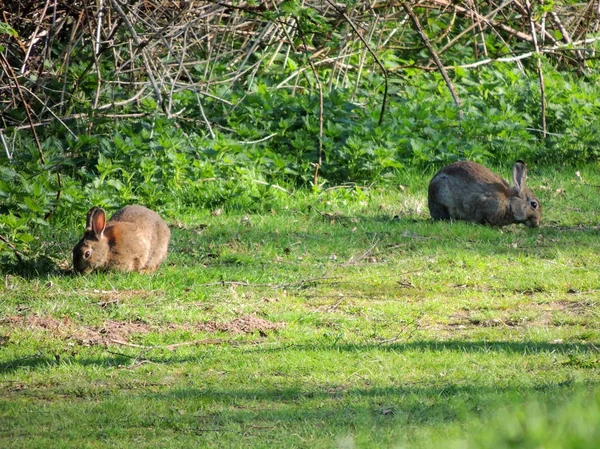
157,92
379,63
436,58
539,68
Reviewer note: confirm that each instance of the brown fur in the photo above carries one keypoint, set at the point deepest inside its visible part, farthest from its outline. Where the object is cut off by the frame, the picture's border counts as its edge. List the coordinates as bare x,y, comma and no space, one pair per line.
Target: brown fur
134,239
469,191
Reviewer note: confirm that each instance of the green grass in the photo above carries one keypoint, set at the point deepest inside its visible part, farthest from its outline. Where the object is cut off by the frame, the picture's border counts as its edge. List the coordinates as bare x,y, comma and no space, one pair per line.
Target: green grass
389,330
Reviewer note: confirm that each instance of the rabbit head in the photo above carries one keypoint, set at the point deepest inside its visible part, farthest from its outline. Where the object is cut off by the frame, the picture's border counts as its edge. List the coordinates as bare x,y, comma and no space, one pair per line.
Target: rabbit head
92,250
524,205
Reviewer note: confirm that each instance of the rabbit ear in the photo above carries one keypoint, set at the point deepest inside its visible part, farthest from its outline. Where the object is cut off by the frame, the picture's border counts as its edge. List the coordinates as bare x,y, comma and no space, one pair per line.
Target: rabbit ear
520,175
96,221
88,220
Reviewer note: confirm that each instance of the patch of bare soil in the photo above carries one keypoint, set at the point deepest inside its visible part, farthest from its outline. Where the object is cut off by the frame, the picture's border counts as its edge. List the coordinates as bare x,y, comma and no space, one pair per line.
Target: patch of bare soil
575,307
60,327
525,315
464,320
107,297
245,325
110,332
66,328
120,331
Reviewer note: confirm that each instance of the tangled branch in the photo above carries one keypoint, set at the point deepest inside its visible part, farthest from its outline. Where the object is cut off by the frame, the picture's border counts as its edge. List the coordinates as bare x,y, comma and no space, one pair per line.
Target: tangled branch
160,48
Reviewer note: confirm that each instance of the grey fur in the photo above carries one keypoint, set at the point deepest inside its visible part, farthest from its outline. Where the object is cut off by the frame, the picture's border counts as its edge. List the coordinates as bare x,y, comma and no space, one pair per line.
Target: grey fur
469,191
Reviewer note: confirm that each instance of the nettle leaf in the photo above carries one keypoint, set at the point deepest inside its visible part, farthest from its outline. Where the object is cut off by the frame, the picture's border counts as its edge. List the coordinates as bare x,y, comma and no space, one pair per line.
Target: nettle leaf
10,221
118,185
33,204
24,237
7,174
5,28
291,7
40,221
148,104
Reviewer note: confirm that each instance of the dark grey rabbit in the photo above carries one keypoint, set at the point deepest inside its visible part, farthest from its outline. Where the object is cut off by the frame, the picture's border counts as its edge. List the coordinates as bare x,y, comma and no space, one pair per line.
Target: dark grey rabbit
469,191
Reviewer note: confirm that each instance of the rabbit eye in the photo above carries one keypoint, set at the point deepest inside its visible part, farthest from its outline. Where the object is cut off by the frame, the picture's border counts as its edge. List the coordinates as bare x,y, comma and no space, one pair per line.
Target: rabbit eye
534,204
87,254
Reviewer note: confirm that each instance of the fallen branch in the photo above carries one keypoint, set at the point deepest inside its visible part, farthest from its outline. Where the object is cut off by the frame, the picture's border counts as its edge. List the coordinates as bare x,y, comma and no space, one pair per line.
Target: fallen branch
414,323
276,286
275,186
9,155
367,253
74,117
570,47
251,142
207,341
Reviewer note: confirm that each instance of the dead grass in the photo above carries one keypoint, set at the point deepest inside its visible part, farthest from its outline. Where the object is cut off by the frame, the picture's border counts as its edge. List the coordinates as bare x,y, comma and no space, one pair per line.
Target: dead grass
121,331
529,315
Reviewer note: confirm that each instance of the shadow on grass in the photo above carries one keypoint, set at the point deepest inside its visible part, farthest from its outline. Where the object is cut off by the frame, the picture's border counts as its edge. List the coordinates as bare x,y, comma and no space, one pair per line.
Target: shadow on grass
157,355
510,347
32,267
417,396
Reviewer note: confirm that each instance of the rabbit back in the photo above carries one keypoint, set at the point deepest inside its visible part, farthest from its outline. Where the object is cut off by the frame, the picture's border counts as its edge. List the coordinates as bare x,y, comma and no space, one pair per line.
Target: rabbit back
139,237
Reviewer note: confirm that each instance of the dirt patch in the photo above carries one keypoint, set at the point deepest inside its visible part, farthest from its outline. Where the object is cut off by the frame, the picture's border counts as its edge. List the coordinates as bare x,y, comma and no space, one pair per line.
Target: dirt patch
66,328
574,307
108,297
120,331
59,327
463,320
524,315
110,332
245,325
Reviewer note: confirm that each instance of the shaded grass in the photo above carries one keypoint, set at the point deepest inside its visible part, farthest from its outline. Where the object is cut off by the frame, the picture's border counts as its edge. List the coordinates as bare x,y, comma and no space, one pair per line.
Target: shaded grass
397,330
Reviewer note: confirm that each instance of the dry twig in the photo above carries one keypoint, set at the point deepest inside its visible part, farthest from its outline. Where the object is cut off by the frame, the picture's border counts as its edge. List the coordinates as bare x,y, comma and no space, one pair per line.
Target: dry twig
436,58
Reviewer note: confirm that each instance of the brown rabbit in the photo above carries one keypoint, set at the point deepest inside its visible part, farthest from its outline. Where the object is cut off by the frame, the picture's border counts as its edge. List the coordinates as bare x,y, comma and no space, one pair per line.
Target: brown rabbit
134,239
469,191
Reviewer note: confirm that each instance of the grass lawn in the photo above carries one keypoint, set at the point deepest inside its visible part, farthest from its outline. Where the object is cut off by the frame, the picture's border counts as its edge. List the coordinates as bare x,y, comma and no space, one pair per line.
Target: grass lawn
344,318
